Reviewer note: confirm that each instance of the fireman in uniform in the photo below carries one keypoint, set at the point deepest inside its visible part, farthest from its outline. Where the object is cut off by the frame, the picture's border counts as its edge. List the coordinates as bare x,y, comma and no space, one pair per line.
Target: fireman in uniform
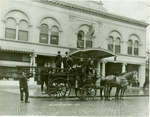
23,85
58,61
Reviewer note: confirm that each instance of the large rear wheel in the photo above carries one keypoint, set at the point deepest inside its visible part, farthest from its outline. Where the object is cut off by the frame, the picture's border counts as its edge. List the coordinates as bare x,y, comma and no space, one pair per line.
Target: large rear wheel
59,88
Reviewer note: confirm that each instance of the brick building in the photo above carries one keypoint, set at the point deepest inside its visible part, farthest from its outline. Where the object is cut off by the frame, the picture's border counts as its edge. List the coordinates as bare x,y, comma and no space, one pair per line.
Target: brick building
34,31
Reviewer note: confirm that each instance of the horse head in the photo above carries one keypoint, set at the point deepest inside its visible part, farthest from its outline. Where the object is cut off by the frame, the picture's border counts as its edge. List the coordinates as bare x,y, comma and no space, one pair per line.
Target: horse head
131,77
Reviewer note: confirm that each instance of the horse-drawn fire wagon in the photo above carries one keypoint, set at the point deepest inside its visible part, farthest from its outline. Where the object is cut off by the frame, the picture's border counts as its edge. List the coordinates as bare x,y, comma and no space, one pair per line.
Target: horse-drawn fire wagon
81,78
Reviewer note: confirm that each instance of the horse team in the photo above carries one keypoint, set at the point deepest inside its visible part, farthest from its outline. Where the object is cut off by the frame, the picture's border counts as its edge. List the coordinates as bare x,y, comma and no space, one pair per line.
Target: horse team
120,82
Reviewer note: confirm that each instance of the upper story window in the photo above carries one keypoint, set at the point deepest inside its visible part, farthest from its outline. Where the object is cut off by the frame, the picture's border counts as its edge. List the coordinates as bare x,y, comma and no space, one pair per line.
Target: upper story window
80,41
10,30
23,30
117,45
44,33
136,48
49,31
85,36
16,25
110,43
114,42
133,45
130,44
54,35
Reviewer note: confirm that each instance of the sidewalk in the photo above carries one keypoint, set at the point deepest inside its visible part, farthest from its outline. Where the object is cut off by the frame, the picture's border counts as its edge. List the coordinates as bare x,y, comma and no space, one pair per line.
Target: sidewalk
35,92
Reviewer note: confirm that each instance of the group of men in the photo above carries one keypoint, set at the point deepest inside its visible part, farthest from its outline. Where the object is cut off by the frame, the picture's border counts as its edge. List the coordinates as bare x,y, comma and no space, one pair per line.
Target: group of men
67,65
67,61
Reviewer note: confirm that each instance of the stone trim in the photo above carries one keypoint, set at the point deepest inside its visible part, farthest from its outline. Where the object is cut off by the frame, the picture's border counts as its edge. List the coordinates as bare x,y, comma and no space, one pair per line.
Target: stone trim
33,43
78,8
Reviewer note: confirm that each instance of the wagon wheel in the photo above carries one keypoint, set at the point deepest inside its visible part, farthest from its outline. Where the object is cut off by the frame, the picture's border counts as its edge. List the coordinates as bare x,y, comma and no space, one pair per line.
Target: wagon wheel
59,88
88,92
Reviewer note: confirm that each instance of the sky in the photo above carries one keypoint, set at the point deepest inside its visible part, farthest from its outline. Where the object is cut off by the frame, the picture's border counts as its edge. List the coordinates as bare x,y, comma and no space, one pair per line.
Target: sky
137,9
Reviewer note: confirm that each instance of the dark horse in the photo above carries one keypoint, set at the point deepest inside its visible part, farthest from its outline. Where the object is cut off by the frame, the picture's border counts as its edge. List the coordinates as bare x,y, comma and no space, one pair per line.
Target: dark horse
120,82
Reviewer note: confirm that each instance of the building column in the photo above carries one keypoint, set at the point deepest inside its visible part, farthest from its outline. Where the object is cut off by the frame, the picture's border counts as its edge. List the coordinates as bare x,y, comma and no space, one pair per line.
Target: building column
142,72
123,67
99,67
32,60
103,68
33,64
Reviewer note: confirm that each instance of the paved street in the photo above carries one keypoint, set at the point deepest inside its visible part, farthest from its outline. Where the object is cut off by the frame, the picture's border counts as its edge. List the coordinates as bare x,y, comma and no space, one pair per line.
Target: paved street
130,106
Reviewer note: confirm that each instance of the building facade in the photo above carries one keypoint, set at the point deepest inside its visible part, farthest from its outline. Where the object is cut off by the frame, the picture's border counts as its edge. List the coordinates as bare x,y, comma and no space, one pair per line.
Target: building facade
32,32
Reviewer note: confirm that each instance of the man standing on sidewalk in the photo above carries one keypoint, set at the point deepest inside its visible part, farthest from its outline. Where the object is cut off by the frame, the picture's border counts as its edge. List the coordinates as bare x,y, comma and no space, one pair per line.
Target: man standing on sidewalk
23,85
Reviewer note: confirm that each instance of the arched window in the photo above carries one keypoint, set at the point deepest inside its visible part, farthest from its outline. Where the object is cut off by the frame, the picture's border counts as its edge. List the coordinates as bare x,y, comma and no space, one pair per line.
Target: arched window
136,47
17,25
10,29
50,31
80,39
110,43
23,31
54,35
117,45
44,33
114,41
130,43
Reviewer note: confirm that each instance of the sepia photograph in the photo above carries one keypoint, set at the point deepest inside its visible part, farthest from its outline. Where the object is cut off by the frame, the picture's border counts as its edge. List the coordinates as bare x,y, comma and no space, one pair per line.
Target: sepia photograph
74,58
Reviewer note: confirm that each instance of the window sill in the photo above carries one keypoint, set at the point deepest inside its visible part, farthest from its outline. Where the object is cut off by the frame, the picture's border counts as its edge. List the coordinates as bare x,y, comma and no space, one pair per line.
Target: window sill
131,55
33,43
9,39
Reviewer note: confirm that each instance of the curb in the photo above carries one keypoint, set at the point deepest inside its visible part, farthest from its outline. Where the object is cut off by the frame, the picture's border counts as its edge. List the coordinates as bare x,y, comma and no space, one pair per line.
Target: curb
77,97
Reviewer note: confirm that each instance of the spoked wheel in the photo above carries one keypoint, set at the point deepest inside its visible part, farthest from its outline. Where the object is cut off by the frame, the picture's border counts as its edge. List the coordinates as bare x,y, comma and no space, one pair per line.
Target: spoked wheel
87,92
59,88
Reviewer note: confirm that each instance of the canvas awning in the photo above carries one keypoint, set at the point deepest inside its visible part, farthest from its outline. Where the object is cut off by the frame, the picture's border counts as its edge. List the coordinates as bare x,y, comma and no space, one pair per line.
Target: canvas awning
92,52
16,49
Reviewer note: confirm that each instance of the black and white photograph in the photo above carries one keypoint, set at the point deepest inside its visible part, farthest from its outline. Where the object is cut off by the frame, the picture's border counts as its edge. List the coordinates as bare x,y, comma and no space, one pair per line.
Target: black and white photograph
74,58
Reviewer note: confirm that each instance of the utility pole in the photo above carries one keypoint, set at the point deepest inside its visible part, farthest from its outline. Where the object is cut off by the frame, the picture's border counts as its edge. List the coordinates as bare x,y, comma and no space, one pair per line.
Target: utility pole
147,69
148,65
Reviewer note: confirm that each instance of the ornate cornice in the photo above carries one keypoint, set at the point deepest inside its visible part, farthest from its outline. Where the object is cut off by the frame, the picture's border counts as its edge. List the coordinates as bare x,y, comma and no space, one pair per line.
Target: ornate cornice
90,11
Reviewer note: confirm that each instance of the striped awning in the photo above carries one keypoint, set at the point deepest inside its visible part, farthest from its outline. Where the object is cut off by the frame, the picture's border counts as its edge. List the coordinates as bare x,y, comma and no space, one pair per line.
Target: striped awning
16,49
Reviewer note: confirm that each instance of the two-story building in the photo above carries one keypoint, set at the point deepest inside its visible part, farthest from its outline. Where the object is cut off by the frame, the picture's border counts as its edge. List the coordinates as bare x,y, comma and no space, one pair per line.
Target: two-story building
32,32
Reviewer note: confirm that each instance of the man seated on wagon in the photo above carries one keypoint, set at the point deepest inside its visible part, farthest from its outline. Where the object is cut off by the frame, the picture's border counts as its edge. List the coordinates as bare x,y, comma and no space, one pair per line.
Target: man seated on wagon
90,67
82,69
70,62
65,62
58,61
